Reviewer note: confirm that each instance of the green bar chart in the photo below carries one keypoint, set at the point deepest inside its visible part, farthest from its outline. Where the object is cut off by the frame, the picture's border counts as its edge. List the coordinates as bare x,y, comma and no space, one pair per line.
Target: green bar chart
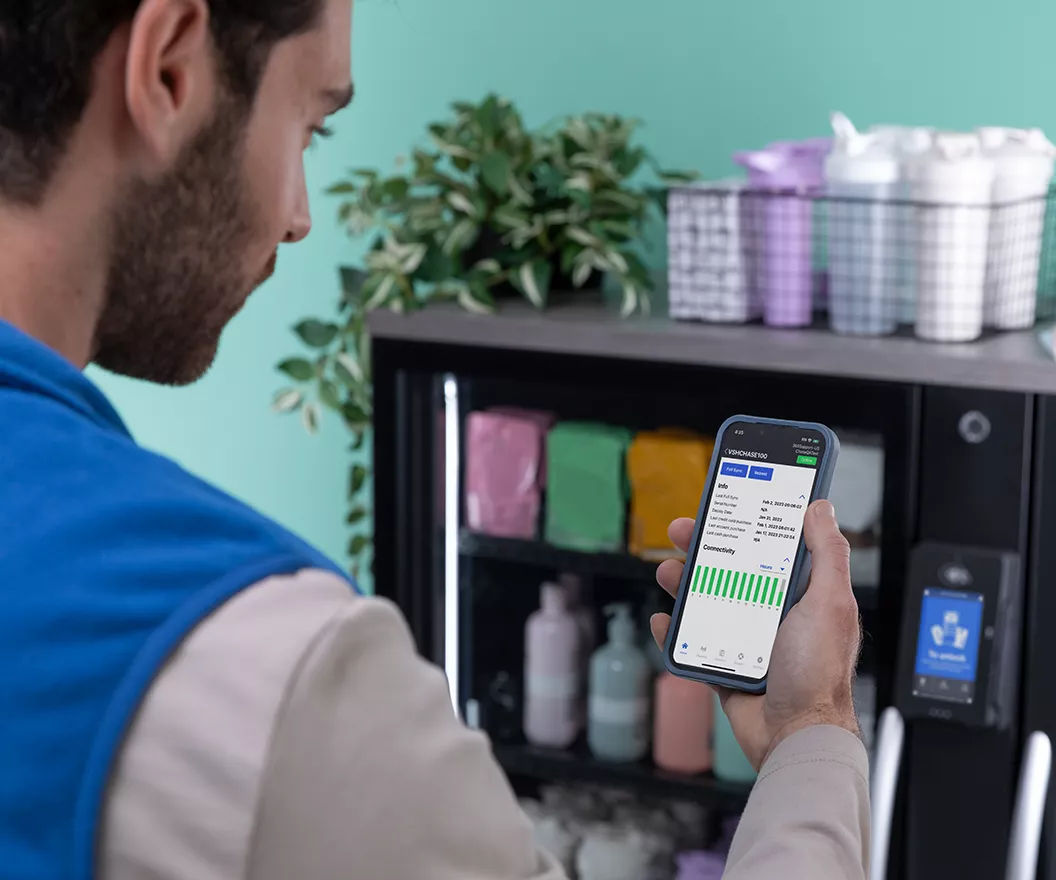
767,591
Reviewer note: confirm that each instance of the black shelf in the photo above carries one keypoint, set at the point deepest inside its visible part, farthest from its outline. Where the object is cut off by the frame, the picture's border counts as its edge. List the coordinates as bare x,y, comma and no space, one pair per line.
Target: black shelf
578,765
612,565
543,555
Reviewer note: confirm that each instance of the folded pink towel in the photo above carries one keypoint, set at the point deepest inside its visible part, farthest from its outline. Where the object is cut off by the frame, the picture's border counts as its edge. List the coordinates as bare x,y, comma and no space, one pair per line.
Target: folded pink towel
504,472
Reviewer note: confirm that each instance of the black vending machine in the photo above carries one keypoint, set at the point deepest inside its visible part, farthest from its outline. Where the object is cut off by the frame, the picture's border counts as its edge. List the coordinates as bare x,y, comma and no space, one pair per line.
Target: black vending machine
954,734
952,581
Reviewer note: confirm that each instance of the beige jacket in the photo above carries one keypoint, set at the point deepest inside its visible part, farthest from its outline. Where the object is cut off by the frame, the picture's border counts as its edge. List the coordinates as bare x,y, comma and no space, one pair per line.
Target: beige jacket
296,734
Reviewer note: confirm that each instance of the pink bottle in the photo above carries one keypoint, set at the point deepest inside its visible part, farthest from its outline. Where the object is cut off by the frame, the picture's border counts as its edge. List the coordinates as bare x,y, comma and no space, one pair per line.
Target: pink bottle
553,672
682,725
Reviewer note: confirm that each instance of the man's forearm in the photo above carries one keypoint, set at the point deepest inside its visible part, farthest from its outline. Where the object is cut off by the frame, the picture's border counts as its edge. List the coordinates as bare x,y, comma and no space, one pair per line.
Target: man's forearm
808,816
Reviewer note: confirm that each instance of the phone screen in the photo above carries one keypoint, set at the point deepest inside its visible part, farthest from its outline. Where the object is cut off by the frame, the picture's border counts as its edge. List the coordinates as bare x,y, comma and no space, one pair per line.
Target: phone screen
742,565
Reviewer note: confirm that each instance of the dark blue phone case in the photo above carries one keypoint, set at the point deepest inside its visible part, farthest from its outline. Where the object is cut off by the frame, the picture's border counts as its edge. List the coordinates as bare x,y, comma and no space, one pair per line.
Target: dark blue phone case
799,575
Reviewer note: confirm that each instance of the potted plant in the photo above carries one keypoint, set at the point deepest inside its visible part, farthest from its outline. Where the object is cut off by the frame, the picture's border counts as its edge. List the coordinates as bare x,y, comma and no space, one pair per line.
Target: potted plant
489,209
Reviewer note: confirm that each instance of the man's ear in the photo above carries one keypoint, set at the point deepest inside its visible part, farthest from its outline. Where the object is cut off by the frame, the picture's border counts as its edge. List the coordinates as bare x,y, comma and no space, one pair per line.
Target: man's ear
170,76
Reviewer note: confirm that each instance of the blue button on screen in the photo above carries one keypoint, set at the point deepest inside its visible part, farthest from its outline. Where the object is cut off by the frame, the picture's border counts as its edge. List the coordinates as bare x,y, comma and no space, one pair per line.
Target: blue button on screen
729,469
761,473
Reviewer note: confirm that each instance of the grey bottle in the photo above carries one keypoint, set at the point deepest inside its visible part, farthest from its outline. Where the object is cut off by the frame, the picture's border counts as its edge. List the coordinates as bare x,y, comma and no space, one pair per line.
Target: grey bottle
620,688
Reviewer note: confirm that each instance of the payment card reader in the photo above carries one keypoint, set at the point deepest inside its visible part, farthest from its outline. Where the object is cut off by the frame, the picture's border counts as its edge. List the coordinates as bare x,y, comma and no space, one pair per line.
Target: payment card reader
959,650
958,678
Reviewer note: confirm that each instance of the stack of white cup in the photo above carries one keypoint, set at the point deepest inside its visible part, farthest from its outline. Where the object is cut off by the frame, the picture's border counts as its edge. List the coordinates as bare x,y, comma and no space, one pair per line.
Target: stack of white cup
952,183
862,175
908,142
1023,169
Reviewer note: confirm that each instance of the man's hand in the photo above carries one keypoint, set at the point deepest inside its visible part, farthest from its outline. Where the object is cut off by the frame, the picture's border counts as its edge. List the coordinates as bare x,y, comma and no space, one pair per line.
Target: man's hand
813,664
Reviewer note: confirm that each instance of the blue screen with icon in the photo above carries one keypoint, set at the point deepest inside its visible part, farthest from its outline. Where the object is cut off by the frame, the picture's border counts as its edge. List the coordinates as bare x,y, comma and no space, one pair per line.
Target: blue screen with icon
948,641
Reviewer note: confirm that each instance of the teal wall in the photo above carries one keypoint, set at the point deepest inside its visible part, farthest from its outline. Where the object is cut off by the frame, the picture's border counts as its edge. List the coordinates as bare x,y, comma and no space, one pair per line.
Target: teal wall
707,77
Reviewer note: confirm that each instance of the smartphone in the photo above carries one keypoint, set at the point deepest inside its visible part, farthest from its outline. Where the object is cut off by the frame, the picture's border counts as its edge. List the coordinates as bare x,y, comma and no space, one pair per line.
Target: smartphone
747,565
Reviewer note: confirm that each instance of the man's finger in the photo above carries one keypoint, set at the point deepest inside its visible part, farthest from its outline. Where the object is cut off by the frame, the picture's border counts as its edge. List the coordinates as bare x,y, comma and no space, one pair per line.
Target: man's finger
829,551
659,624
681,533
669,575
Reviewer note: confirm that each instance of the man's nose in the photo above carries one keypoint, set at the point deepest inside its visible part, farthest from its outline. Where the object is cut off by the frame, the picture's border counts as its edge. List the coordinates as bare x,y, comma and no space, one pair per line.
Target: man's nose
301,223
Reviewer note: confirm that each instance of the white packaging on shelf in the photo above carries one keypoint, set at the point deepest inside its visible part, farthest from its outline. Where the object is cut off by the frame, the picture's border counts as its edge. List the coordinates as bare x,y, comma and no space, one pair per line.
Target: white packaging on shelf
857,490
908,142
708,271
1023,170
857,493
952,185
613,852
863,179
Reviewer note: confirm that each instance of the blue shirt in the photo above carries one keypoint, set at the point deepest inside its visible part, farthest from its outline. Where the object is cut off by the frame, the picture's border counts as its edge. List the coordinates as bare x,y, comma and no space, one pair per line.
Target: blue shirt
109,556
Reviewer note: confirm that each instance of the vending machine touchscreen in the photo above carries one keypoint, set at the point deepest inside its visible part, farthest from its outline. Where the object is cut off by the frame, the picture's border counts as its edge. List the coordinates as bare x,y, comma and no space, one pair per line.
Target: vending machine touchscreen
960,639
951,627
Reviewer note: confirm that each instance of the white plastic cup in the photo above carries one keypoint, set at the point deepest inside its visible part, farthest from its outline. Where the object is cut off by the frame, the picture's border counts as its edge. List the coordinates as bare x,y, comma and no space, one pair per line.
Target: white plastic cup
862,180
952,184
909,143
1023,170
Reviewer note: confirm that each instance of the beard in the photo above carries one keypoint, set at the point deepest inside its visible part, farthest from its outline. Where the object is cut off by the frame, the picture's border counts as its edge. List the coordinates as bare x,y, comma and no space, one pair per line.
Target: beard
176,275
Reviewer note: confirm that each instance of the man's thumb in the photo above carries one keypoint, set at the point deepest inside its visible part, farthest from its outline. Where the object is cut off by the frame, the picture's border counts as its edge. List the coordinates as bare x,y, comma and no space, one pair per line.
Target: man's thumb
829,550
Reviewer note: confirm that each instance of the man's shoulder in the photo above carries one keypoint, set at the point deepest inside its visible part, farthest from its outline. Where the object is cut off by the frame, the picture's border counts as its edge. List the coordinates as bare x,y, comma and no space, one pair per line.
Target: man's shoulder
82,486
48,442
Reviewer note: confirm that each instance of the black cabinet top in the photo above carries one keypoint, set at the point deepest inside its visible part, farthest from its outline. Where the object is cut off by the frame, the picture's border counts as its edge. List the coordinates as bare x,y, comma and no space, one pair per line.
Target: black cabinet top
1009,361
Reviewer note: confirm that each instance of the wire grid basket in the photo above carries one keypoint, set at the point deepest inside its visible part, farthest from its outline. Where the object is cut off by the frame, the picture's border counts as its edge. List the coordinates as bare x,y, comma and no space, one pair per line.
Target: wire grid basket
876,263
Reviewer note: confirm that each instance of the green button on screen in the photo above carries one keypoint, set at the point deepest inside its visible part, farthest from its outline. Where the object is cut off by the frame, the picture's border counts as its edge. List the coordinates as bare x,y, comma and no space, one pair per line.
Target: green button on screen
812,460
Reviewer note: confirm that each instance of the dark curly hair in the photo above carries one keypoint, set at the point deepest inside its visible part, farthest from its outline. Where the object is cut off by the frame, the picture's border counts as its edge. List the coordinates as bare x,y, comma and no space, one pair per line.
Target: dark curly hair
48,48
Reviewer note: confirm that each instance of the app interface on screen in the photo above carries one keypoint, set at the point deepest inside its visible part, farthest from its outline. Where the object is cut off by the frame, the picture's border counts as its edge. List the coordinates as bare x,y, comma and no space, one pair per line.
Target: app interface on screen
752,529
948,645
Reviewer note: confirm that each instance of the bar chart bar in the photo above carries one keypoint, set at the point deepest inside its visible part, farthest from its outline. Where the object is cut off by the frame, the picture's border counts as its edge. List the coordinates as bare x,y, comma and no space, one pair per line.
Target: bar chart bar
765,591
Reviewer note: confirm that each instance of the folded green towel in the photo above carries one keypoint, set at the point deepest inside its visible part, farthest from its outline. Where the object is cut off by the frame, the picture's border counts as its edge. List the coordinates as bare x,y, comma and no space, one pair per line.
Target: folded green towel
586,498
